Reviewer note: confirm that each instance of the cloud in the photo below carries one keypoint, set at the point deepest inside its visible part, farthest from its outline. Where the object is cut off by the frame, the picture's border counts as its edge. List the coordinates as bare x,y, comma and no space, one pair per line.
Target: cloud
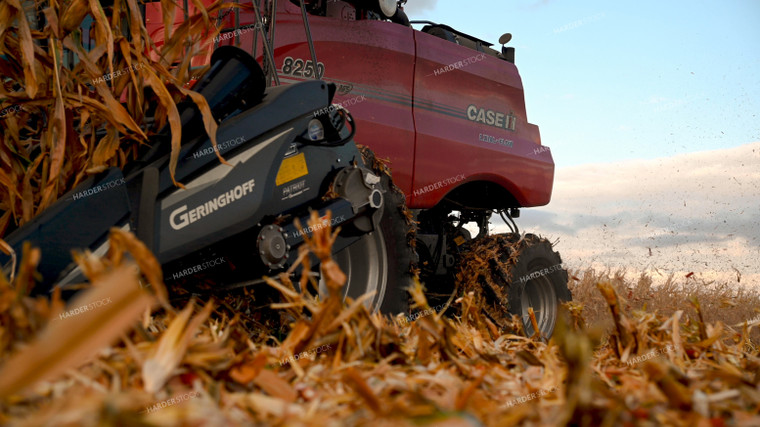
696,212
540,3
417,6
656,100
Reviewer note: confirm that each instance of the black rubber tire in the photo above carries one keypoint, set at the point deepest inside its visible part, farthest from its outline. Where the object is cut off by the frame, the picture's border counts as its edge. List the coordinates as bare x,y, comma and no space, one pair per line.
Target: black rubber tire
538,267
398,232
528,272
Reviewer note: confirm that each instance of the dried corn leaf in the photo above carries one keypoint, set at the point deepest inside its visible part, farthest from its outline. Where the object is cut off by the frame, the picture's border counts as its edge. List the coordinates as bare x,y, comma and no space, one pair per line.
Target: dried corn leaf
71,341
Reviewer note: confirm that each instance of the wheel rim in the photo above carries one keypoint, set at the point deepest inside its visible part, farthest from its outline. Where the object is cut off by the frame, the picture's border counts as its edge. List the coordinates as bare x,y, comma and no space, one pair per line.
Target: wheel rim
365,263
539,293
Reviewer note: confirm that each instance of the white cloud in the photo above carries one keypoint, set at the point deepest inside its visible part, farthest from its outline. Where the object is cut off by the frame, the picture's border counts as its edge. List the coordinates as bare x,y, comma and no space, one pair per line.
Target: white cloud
656,100
697,212
417,6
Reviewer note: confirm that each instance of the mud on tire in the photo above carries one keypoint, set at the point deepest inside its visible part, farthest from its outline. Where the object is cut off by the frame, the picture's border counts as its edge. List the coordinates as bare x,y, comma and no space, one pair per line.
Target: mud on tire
511,274
399,233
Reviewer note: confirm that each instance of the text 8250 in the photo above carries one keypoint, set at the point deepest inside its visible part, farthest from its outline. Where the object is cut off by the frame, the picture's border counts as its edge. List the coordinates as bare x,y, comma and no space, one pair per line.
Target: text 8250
300,68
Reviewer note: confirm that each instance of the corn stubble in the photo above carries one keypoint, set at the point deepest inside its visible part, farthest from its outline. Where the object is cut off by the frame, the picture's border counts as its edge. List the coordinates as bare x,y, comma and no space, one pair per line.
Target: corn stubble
106,366
117,361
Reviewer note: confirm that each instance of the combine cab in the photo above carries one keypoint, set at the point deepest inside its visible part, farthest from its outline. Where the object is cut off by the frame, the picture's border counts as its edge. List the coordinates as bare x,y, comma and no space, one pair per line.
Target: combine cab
442,109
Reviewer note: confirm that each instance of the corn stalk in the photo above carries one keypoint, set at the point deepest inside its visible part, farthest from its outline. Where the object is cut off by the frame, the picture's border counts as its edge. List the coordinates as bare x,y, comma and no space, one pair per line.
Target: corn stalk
69,108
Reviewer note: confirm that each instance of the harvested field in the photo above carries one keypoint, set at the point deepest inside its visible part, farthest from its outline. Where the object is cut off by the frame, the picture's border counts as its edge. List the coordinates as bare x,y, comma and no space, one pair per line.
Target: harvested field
139,361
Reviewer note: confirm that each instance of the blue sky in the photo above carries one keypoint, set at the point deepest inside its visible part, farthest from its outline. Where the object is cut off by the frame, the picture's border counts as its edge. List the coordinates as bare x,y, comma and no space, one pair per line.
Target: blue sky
610,81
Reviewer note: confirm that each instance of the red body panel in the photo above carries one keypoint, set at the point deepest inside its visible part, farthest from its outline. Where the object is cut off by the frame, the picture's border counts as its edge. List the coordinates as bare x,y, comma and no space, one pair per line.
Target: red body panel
441,122
373,66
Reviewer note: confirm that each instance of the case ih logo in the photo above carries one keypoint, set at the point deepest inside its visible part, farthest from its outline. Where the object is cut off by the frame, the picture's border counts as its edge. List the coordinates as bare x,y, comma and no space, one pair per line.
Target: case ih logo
491,118
213,205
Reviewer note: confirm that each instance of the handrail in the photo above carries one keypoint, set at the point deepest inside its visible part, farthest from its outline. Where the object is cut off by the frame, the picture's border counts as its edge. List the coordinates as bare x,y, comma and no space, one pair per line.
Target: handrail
306,27
267,48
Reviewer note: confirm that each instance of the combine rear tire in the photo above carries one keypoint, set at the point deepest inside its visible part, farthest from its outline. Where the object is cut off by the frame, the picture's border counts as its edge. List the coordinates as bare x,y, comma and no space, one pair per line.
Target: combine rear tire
513,275
382,261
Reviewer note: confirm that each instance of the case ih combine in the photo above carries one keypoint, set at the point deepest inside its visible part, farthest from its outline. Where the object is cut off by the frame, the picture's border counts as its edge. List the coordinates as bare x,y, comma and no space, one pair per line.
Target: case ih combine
444,109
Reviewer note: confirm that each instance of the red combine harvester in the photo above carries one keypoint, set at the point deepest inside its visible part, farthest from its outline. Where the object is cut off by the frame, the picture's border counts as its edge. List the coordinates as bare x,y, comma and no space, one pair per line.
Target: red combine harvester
443,107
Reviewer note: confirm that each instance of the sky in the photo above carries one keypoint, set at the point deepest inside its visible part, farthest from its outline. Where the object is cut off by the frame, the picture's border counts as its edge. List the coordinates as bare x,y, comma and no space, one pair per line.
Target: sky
652,113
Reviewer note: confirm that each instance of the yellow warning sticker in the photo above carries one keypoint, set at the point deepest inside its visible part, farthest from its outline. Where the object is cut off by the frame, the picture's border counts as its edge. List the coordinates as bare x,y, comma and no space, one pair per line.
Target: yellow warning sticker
459,240
292,168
